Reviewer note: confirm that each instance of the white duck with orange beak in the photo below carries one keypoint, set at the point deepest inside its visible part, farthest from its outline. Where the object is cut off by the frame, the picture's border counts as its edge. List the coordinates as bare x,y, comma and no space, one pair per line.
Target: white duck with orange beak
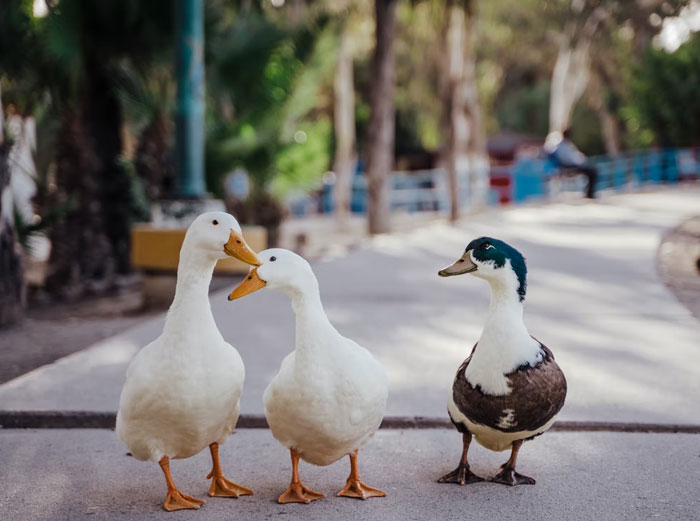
330,394
182,390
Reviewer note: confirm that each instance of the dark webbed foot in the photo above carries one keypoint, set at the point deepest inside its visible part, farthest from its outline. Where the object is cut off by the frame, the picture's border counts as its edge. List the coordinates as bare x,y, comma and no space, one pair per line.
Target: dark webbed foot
461,476
508,476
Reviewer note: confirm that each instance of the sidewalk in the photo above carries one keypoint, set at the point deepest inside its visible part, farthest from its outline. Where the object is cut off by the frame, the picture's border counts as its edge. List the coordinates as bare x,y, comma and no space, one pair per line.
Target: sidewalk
82,474
629,349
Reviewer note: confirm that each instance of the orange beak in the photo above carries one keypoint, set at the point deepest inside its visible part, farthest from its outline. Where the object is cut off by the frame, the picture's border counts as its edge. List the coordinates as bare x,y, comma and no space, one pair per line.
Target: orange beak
237,247
250,284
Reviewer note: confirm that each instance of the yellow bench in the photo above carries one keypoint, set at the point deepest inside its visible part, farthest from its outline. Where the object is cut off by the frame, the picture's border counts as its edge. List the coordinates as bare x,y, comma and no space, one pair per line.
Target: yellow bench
158,249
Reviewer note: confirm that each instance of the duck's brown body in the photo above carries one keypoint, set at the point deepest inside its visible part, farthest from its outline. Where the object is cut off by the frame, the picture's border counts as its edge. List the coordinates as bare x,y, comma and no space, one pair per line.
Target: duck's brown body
537,395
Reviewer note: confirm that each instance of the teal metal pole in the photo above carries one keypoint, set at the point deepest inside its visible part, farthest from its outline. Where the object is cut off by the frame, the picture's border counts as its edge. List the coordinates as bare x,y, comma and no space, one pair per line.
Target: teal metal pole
190,98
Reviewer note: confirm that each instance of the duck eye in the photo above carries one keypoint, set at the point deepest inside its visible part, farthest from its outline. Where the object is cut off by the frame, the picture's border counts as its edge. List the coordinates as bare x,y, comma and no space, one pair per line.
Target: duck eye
488,246
215,222
273,258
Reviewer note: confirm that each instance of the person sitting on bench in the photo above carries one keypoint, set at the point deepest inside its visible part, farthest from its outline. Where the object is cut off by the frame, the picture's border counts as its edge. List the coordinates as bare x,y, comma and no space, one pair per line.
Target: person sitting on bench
566,155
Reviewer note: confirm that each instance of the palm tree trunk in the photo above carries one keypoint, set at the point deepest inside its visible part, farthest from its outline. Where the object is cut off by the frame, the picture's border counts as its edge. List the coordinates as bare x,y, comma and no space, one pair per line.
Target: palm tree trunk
380,146
103,122
152,159
344,121
80,250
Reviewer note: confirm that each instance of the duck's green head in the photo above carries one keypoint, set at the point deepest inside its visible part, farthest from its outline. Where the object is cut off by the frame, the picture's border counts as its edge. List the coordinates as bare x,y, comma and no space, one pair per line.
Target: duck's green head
491,259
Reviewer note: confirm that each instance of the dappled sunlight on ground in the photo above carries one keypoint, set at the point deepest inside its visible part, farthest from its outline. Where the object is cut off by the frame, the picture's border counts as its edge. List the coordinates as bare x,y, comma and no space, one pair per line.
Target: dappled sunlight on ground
629,349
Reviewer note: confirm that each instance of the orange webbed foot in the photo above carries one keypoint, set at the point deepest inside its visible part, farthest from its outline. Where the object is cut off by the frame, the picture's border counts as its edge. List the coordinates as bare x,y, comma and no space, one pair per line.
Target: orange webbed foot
222,487
357,489
298,493
176,500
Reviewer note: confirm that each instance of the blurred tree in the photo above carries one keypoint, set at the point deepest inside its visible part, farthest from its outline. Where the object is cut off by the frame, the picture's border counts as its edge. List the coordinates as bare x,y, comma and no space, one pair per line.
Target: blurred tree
572,66
269,130
148,100
344,125
583,50
586,41
71,59
465,150
664,105
12,295
15,33
351,18
380,144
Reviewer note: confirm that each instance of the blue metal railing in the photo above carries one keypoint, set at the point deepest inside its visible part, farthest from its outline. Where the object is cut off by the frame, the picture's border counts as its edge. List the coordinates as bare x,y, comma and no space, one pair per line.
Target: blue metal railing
623,172
526,179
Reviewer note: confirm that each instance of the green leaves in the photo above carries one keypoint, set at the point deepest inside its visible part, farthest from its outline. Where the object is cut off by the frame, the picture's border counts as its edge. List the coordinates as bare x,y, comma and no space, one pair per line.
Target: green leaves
264,83
664,102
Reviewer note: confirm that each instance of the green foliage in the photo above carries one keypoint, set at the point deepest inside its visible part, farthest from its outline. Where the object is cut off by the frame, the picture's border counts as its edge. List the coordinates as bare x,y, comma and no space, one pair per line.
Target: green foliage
524,107
664,106
266,85
419,49
300,165
17,32
140,205
585,130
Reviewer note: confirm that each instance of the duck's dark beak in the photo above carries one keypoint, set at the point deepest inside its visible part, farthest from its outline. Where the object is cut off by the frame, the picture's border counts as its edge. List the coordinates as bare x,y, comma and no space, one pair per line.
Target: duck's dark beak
237,247
463,265
251,283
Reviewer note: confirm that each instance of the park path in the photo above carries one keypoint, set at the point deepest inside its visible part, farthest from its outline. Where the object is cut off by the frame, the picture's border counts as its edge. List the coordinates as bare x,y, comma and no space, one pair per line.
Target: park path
630,351
604,476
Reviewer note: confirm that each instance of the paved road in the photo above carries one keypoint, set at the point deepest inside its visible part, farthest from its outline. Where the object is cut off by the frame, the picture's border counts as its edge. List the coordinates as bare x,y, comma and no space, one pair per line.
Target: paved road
630,351
82,474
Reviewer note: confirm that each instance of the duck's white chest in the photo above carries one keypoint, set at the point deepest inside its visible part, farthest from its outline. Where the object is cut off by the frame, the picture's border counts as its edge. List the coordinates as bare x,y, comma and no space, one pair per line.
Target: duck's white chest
175,403
328,410
499,352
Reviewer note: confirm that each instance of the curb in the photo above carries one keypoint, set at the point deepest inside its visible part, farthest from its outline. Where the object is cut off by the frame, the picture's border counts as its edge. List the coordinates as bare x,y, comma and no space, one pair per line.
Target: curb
106,420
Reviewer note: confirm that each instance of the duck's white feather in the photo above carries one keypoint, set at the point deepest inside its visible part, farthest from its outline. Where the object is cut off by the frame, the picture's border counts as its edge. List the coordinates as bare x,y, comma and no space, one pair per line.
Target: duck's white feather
327,409
182,391
505,343
330,394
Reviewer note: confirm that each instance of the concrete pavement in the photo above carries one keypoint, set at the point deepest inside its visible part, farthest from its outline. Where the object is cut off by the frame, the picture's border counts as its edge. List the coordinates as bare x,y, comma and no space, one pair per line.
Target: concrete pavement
629,349
82,474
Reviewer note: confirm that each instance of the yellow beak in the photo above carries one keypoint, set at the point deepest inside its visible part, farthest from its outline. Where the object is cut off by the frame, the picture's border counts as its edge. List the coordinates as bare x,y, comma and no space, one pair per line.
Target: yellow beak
250,284
237,247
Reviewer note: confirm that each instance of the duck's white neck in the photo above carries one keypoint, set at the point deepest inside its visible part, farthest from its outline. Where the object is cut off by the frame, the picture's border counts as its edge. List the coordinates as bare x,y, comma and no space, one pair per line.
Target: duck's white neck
191,302
314,332
505,343
505,308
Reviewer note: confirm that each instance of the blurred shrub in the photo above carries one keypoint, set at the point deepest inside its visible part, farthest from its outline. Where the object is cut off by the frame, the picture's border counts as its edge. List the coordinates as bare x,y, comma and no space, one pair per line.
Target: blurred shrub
664,105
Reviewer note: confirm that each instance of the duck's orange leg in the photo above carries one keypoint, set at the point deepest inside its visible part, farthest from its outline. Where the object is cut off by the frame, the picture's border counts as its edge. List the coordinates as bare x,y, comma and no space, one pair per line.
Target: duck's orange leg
220,486
297,492
354,487
176,500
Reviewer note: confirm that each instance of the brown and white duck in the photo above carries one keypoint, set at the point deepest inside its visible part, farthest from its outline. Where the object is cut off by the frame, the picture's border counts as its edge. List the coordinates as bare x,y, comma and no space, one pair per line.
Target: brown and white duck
509,389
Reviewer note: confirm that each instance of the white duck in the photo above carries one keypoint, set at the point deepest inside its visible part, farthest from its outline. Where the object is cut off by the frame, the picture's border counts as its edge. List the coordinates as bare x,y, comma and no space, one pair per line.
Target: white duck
182,390
330,394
